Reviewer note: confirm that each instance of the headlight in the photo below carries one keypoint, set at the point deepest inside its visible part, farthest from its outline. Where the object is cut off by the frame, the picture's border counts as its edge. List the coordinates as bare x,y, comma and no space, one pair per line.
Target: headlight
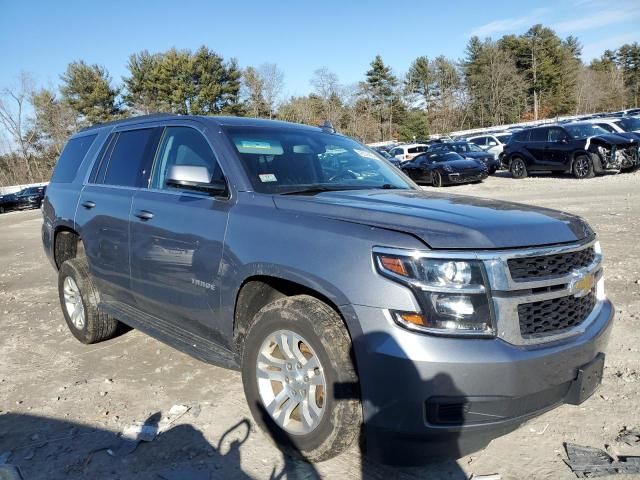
452,293
447,168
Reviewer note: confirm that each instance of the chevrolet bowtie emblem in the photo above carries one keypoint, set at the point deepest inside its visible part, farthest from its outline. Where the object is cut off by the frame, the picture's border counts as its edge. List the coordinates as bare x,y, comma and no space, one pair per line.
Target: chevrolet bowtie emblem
584,285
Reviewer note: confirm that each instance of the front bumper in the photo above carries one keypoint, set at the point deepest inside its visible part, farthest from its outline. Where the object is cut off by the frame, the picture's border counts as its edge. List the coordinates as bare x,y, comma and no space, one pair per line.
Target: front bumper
455,178
425,396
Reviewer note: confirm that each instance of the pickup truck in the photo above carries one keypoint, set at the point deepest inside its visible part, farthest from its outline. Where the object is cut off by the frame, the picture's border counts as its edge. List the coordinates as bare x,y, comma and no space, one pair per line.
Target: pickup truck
357,306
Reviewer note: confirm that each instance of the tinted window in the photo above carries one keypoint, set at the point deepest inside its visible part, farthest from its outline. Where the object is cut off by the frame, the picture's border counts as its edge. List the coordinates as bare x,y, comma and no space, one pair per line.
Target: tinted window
71,158
522,136
417,149
606,126
556,135
183,146
504,138
479,140
539,135
130,160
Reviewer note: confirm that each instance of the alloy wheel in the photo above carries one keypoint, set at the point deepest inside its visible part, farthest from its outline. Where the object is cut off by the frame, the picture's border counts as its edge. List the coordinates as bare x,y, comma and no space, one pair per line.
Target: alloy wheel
582,167
291,382
73,303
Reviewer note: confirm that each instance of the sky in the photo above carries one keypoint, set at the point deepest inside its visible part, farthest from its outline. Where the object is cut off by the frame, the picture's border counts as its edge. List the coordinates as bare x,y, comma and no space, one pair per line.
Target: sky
42,37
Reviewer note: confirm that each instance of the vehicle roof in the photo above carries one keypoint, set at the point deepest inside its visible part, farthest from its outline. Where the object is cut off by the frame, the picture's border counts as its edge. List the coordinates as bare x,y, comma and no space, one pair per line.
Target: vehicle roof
211,119
410,145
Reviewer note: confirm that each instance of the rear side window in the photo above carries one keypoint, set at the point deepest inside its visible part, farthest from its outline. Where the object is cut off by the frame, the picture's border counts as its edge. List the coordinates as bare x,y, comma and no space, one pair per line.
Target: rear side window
130,160
539,135
71,158
521,136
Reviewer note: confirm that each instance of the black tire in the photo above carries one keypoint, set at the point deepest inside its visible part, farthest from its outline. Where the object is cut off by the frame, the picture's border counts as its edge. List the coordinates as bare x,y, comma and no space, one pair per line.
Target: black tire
1,209
582,167
324,331
436,179
98,326
518,168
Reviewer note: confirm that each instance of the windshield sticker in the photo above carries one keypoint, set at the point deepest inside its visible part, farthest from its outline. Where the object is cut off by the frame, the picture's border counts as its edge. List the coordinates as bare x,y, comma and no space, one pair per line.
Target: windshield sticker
267,177
259,147
365,154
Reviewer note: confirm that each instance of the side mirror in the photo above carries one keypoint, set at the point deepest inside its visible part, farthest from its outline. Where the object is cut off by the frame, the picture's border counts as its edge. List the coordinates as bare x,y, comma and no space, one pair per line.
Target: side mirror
193,177
564,140
492,144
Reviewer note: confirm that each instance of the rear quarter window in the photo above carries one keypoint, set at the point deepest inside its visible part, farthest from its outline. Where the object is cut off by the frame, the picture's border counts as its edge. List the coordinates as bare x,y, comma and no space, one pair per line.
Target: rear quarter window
71,157
522,136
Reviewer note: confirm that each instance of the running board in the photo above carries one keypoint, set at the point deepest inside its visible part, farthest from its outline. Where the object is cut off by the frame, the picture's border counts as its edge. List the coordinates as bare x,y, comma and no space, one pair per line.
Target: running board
172,335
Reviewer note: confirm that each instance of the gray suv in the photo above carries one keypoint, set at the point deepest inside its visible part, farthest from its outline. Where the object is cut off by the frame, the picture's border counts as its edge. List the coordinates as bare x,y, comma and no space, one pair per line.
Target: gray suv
356,305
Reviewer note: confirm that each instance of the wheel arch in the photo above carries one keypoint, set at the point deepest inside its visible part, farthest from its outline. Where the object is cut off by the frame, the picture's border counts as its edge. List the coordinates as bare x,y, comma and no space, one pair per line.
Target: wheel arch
259,290
67,244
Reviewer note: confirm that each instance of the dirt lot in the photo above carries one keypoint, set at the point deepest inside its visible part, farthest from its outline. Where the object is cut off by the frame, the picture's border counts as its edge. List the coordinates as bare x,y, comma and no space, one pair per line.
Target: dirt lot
62,404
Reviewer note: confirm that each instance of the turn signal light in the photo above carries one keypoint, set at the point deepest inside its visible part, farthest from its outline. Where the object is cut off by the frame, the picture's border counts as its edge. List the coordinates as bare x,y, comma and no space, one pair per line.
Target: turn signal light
395,265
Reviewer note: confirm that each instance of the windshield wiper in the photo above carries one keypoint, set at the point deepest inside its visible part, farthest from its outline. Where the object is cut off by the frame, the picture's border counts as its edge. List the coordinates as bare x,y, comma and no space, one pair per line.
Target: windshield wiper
314,188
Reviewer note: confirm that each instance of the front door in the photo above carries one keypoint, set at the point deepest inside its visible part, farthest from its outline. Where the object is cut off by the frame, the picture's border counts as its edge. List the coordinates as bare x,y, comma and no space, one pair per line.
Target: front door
177,239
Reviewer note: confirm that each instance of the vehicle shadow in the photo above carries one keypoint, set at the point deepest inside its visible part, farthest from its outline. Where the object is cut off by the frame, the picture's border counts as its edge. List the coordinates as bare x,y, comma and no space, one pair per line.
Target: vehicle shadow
48,448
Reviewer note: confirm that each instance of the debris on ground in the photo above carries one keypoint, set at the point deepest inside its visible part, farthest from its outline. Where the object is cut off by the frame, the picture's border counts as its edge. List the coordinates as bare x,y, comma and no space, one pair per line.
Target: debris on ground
590,462
629,436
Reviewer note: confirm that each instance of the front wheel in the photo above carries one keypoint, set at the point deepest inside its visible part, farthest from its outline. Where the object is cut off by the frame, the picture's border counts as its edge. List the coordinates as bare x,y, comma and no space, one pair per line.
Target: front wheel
582,167
300,380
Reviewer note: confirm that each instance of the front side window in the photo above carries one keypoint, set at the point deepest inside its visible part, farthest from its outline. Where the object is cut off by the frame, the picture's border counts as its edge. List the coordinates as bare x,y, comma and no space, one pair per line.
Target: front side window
283,160
187,147
584,130
556,135
129,162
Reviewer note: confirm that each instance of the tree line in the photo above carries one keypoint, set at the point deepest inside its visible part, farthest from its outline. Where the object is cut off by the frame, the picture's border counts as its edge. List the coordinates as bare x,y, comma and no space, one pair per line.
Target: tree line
517,77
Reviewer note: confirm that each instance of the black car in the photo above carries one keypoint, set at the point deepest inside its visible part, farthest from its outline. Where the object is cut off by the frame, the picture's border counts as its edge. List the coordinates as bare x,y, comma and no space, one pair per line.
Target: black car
27,198
580,148
444,168
468,150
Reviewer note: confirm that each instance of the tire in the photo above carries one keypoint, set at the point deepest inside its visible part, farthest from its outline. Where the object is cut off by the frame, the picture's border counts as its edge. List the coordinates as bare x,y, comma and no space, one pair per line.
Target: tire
1,210
518,168
436,179
317,332
88,325
582,167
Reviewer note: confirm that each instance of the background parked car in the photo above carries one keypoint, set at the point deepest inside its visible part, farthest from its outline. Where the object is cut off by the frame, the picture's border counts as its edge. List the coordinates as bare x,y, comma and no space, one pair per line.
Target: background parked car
581,148
619,126
388,156
493,143
444,168
30,197
407,152
468,150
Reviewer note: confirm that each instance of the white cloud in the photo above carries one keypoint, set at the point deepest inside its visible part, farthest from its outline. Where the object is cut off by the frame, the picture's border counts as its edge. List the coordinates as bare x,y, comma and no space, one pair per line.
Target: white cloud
595,49
509,24
596,20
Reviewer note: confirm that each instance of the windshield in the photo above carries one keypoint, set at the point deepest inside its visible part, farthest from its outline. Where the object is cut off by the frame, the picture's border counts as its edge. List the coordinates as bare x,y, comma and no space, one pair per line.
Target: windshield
504,138
385,154
282,160
466,147
584,130
629,124
447,157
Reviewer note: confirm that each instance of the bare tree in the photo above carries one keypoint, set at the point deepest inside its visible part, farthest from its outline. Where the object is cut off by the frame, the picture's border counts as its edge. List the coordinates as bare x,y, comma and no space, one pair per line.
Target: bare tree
328,88
13,117
272,85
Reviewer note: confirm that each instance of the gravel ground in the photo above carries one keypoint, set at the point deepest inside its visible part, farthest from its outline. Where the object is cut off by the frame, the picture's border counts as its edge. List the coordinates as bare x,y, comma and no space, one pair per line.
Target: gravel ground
63,404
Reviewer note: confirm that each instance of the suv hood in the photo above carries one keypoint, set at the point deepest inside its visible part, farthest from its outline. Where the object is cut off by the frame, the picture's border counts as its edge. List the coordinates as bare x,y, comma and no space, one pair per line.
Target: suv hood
610,138
444,221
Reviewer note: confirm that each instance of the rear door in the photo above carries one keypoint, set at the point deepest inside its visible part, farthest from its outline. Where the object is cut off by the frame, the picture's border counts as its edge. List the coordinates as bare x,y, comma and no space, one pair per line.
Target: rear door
177,238
536,147
122,167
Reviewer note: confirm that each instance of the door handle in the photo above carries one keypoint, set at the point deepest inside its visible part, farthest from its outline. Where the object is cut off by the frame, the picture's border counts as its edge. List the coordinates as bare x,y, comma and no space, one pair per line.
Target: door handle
88,204
144,215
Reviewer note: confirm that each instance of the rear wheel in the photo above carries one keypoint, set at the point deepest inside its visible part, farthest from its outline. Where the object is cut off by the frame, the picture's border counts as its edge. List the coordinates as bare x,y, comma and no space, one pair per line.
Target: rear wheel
518,168
79,301
436,179
296,355
582,167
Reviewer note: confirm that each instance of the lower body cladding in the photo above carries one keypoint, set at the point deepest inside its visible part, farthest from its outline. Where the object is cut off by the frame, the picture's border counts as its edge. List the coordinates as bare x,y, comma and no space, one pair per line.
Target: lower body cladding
454,178
426,397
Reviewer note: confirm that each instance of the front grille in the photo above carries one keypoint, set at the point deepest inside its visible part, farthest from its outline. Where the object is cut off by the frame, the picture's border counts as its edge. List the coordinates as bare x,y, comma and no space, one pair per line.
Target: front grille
558,265
554,316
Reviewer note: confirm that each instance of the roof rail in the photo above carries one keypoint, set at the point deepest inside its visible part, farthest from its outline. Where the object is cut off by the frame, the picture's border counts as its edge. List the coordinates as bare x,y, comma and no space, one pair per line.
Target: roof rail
129,119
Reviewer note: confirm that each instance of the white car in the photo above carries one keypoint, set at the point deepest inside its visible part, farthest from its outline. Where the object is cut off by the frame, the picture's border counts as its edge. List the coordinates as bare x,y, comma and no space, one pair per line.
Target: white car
493,143
404,153
617,124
